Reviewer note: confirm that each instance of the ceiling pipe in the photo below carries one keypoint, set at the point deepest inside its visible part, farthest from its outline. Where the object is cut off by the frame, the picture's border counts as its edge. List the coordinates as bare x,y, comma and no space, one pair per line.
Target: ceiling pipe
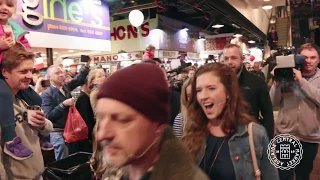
197,6
218,8
159,7
139,7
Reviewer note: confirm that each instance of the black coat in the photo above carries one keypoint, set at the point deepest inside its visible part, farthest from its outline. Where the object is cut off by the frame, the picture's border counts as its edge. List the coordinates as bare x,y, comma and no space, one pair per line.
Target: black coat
271,39
84,107
174,105
256,93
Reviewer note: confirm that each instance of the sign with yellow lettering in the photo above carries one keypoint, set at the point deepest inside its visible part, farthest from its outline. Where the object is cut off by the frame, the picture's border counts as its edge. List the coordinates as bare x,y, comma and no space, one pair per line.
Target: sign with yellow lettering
77,18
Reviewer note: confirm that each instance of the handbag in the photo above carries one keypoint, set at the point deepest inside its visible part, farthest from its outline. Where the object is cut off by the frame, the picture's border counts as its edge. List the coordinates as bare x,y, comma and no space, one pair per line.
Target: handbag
75,129
257,172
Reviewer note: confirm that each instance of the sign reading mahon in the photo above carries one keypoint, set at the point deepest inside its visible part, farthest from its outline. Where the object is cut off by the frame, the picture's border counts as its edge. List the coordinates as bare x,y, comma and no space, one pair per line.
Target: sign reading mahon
77,18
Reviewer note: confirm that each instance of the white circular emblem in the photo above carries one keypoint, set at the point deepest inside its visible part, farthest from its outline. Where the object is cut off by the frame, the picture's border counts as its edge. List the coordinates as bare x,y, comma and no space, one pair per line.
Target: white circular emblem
285,151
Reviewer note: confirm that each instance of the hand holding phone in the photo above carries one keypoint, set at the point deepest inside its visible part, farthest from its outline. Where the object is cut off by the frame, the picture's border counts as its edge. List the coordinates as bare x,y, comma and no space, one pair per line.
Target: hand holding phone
84,58
45,83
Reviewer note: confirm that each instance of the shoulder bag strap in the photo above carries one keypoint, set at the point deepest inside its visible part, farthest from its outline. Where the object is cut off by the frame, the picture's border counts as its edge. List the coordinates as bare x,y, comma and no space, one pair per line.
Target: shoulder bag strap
257,172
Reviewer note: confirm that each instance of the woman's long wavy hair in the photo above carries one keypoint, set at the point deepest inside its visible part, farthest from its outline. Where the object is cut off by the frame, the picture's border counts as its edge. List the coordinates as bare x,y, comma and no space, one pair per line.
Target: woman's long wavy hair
235,113
93,74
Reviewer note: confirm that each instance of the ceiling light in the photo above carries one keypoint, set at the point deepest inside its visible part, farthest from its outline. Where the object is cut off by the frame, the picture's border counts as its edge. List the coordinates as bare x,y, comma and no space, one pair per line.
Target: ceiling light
251,42
202,37
55,53
185,28
43,55
267,7
71,51
266,0
218,26
54,57
237,35
236,26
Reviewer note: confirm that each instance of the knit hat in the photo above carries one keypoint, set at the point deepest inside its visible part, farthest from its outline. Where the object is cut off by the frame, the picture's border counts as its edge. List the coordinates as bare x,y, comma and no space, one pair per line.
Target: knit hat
142,87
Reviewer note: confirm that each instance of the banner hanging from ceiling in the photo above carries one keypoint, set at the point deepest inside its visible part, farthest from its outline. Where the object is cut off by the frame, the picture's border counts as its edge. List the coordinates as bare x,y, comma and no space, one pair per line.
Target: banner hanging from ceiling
72,24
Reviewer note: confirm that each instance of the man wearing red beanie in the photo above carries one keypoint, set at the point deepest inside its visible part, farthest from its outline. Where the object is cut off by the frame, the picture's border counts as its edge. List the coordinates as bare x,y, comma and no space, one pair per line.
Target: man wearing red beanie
133,132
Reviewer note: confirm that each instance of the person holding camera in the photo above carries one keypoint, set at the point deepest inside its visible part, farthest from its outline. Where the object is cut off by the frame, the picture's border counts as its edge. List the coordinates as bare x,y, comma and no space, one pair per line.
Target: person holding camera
299,113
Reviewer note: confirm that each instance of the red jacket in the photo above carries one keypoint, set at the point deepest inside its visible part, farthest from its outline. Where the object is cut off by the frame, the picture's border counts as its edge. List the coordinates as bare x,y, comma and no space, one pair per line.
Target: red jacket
147,55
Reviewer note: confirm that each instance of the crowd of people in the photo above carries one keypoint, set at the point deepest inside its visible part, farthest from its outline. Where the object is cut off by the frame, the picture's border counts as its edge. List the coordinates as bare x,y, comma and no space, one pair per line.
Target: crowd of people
147,124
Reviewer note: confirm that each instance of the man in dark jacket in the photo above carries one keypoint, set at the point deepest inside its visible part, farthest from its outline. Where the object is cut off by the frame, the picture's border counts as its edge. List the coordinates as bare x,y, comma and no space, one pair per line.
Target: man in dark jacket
254,88
272,38
56,100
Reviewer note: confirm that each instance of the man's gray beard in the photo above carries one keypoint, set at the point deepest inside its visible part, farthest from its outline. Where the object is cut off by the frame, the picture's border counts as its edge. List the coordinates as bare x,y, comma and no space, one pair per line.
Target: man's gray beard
126,160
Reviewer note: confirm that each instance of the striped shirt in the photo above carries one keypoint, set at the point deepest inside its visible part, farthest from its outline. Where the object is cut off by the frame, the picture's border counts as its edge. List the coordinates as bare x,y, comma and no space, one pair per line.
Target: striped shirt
178,126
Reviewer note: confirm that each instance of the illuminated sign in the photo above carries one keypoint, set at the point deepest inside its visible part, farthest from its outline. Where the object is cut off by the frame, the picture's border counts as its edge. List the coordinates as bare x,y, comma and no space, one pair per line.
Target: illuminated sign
77,18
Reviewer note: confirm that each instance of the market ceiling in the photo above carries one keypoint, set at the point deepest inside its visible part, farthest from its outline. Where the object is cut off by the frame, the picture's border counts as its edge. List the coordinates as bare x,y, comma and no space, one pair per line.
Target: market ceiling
200,13
305,9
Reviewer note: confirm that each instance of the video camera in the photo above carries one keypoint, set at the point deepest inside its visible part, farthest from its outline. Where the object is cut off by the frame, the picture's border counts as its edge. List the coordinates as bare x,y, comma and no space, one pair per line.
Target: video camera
284,71
180,69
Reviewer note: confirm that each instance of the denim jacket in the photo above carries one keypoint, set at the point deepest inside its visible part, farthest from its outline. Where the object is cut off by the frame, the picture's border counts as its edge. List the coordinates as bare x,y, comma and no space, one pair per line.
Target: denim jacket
241,157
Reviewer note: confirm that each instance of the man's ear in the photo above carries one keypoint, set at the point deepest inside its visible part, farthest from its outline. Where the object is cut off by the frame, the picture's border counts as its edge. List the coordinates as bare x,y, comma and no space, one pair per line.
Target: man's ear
5,73
161,128
242,58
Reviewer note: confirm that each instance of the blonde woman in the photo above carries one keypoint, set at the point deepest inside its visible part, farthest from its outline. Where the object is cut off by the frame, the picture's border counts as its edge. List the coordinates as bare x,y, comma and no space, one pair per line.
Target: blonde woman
95,78
180,120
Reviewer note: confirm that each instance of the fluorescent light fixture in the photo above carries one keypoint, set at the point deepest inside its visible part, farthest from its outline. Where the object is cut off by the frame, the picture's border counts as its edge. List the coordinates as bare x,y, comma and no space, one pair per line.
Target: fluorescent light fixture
237,35
43,55
266,0
267,7
236,26
55,53
251,42
202,38
185,28
71,51
218,26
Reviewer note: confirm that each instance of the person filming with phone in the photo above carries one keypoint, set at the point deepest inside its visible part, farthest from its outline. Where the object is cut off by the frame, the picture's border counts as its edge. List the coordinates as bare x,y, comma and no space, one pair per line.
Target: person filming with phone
299,112
41,85
56,100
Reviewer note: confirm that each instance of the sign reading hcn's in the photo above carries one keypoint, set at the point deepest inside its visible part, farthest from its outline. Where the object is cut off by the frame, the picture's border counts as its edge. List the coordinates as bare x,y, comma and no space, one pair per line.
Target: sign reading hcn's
129,31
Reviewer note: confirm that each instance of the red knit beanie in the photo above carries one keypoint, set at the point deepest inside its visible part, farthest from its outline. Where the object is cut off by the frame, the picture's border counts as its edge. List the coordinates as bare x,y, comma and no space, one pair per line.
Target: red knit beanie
142,87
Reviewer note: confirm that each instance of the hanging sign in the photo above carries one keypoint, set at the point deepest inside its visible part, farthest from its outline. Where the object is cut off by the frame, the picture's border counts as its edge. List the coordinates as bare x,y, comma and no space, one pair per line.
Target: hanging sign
118,57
